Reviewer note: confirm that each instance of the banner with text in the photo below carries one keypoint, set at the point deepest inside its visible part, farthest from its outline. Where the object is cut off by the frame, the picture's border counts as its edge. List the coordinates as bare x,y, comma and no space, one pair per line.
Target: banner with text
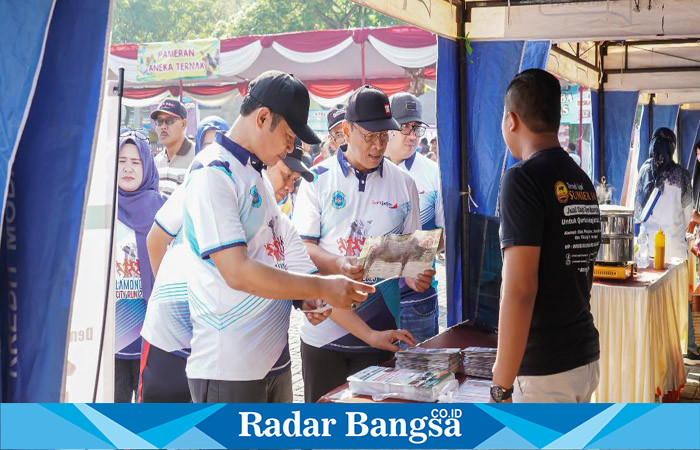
350,425
160,61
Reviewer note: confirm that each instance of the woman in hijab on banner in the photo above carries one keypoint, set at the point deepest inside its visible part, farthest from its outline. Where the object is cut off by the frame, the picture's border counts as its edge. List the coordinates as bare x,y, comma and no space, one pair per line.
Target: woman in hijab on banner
206,131
138,201
664,197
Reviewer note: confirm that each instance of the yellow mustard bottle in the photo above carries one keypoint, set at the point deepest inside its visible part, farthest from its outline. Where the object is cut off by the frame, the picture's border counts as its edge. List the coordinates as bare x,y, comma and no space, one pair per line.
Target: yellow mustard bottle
659,250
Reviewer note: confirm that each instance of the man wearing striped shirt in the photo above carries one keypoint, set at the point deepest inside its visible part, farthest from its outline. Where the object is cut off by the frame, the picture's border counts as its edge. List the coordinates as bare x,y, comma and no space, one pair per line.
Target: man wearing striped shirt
174,160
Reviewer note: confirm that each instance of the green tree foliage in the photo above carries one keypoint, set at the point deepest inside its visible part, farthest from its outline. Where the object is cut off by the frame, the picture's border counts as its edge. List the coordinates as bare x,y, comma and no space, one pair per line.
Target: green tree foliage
274,16
137,21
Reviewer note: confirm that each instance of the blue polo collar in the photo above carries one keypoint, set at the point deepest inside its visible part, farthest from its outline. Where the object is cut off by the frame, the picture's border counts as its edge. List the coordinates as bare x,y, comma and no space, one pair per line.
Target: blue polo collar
240,153
345,165
408,162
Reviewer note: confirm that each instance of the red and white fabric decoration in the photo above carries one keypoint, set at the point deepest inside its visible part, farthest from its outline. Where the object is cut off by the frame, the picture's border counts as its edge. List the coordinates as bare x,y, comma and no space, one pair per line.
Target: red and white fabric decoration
332,63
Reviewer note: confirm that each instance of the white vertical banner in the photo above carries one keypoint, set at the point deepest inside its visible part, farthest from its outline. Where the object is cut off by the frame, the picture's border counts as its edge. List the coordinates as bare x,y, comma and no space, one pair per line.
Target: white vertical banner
89,296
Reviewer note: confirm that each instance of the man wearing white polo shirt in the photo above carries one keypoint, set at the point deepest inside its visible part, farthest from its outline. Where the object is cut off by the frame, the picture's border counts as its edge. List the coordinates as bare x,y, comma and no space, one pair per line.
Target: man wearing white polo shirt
167,328
419,310
358,194
236,259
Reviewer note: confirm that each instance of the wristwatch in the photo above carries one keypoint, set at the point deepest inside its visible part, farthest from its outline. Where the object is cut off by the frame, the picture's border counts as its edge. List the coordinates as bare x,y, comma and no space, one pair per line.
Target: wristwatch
498,393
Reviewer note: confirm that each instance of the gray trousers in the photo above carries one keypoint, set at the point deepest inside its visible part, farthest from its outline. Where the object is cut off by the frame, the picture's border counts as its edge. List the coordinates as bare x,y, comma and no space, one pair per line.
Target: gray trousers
271,389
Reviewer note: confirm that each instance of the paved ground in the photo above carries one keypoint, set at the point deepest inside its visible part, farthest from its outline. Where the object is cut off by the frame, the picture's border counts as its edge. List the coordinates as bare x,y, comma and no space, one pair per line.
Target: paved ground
296,319
691,391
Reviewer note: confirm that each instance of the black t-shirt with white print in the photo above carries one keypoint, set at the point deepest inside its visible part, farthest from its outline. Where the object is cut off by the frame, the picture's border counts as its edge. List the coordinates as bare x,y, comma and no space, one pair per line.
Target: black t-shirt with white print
547,201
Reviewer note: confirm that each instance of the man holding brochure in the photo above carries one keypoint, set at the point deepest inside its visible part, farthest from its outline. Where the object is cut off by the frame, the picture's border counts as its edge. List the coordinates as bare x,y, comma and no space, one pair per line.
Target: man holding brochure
358,194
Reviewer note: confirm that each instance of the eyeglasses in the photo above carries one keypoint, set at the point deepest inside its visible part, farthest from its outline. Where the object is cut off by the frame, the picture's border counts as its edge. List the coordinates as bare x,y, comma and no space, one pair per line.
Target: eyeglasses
378,137
338,137
406,129
168,121
131,133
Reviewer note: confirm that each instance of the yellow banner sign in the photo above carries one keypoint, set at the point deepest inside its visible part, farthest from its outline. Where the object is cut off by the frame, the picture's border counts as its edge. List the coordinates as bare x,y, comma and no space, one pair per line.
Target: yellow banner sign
178,60
437,16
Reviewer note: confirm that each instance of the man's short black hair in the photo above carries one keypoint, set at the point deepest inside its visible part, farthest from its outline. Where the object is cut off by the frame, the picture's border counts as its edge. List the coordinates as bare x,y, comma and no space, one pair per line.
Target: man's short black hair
534,96
250,104
424,141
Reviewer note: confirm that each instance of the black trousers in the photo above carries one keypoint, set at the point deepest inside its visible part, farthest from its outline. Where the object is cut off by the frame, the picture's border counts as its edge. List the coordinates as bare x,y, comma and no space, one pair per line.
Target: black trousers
163,378
271,389
324,370
126,379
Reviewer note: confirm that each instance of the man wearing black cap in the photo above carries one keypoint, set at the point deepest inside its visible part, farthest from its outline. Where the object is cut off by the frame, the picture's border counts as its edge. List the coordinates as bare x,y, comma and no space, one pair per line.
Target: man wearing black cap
237,257
358,194
166,327
172,162
336,138
286,177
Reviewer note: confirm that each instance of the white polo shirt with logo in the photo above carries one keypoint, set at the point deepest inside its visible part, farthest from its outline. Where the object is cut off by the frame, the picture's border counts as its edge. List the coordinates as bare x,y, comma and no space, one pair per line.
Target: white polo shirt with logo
427,177
340,210
168,325
236,336
426,174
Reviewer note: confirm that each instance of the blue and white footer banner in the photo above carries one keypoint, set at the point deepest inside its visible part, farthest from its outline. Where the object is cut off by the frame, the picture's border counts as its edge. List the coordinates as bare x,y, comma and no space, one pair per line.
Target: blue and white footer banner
359,426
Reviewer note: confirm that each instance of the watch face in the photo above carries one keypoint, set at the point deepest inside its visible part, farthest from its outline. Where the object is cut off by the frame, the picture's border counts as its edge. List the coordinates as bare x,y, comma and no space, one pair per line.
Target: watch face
497,393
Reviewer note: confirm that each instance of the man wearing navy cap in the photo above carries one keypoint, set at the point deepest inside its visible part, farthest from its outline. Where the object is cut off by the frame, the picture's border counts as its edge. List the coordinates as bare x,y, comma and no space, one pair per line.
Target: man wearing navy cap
286,176
357,195
167,326
336,138
172,162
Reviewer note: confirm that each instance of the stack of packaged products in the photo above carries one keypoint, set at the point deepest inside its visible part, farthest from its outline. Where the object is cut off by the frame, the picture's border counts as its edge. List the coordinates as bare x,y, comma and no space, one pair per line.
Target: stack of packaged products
387,382
471,391
478,361
425,359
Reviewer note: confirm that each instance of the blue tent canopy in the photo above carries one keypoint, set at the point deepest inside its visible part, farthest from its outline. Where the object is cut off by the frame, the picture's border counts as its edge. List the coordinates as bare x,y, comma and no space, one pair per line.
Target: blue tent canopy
489,69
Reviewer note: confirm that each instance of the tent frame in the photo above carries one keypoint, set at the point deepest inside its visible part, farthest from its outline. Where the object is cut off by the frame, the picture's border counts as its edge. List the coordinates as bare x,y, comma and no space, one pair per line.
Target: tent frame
608,55
469,5
465,9
463,16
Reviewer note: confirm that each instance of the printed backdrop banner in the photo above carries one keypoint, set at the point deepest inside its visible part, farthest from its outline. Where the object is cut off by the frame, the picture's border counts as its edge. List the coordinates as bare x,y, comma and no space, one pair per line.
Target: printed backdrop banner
46,200
350,425
178,60
30,18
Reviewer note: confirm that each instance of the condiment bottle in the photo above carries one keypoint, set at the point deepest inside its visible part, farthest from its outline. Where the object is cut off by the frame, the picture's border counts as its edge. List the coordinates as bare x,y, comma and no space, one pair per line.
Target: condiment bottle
659,250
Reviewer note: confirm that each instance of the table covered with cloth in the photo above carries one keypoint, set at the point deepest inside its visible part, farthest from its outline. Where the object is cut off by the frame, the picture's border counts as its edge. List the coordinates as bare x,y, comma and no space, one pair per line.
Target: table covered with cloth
465,334
643,325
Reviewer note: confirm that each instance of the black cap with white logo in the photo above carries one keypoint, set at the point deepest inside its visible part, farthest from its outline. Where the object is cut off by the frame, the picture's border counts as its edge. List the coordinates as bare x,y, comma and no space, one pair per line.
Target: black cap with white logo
295,162
370,108
288,97
336,116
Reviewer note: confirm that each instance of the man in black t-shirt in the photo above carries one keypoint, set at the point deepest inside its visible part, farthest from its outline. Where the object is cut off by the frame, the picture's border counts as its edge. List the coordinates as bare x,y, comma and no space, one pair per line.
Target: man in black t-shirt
550,232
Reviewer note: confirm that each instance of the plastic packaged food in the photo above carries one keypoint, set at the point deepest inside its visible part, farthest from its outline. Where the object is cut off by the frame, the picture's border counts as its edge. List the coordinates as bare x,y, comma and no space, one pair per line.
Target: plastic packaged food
387,382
